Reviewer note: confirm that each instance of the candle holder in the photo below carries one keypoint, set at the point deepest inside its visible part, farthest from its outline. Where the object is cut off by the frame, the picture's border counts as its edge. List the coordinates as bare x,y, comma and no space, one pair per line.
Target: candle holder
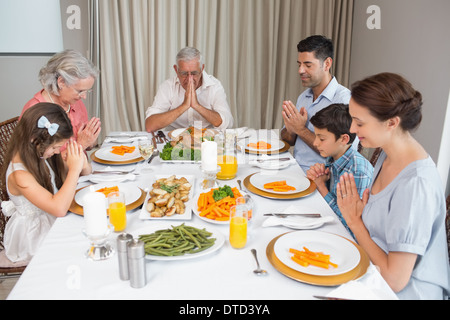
210,178
100,249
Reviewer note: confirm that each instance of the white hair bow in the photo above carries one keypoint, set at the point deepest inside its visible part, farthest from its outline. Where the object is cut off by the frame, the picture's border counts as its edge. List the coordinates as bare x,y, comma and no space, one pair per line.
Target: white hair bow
52,128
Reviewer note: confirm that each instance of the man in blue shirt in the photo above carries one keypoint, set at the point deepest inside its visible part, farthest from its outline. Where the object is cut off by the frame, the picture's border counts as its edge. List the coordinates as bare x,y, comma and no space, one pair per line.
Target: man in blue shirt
333,141
315,58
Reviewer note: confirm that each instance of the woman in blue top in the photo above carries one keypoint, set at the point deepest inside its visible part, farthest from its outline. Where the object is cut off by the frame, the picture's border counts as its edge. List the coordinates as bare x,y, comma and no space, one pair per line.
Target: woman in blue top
400,221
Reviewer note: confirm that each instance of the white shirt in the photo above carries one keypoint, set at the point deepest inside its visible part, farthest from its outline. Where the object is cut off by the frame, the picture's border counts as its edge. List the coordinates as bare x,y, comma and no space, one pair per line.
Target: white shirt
210,95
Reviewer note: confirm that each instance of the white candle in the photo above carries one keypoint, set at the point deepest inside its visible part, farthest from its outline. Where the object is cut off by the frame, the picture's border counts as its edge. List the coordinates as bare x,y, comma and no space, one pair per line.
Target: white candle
209,156
95,217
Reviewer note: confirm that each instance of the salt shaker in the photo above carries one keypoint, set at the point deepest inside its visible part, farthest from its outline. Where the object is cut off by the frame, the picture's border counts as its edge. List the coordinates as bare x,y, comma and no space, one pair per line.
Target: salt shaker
122,240
136,263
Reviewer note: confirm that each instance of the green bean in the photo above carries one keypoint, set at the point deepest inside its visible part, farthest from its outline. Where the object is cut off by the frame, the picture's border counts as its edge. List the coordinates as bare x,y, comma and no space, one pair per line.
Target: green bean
179,240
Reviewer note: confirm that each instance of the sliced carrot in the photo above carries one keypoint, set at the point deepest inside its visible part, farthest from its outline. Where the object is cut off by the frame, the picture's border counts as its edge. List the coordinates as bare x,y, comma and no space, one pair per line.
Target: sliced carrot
318,259
121,150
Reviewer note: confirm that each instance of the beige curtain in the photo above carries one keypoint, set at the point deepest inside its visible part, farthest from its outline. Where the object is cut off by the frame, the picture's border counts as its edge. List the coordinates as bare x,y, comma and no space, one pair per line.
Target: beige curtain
249,45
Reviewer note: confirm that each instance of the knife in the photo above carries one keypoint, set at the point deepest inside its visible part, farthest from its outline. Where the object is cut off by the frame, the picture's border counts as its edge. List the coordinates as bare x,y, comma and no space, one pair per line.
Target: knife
111,172
284,215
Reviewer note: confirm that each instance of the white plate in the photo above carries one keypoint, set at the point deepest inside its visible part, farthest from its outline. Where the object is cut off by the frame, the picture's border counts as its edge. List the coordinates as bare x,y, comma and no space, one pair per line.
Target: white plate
195,208
132,193
187,215
274,143
342,252
299,182
220,240
106,155
176,132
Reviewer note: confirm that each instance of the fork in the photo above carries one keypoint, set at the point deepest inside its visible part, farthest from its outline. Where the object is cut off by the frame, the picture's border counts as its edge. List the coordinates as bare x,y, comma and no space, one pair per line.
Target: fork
162,136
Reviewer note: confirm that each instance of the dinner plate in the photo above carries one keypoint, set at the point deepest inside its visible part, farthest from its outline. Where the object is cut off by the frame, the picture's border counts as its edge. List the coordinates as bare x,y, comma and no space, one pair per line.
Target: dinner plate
220,240
250,187
281,146
77,209
175,133
197,213
300,183
328,281
187,215
275,144
342,252
132,193
106,154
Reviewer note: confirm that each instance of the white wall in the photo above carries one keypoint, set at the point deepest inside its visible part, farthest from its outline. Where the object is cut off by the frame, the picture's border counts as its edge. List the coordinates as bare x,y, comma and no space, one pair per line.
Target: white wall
19,73
413,41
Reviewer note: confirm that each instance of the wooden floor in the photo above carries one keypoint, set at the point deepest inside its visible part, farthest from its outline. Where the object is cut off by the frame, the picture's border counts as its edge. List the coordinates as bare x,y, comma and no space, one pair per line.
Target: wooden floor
6,287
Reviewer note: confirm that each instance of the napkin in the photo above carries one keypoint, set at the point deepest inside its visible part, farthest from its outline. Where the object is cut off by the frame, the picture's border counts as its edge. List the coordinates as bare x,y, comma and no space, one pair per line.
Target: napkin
371,286
272,163
98,178
104,177
297,222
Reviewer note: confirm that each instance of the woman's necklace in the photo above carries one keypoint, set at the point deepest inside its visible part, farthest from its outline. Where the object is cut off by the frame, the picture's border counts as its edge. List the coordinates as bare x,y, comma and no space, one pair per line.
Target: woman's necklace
67,111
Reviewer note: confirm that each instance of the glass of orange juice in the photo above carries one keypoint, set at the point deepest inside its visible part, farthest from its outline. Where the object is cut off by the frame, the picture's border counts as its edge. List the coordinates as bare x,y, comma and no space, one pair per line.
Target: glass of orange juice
117,211
227,155
238,226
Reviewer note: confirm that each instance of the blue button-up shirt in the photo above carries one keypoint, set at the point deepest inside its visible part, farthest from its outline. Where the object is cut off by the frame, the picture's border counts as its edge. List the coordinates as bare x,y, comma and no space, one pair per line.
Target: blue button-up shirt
351,162
333,93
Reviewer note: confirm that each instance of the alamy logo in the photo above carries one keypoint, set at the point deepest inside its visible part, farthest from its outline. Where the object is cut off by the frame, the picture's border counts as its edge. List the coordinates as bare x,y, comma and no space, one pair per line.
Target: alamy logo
374,20
74,20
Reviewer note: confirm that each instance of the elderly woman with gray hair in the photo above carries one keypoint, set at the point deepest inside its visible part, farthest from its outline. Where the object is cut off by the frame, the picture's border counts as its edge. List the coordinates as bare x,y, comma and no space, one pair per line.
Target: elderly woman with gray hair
66,80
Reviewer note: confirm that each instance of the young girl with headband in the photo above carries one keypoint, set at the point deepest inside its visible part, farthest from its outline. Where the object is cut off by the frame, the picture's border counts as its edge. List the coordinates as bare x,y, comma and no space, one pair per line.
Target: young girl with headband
40,184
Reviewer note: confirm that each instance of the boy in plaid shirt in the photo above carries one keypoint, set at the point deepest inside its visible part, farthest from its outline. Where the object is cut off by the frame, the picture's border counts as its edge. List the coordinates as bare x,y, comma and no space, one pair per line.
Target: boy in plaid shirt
334,141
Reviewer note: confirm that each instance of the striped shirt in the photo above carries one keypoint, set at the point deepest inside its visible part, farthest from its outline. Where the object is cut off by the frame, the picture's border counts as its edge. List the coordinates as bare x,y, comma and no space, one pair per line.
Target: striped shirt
351,162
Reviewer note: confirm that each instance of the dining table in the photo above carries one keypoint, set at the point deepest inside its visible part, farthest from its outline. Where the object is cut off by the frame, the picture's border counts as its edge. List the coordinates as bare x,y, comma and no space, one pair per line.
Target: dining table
60,268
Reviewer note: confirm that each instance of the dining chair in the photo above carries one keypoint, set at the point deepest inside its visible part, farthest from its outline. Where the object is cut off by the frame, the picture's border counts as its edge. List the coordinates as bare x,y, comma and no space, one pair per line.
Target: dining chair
369,153
7,268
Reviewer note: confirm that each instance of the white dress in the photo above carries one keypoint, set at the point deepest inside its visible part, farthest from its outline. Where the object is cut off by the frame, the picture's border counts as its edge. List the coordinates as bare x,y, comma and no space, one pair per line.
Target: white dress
28,225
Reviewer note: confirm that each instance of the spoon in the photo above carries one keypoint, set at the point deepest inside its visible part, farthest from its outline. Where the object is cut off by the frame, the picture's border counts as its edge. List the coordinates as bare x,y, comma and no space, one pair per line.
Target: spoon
239,183
258,271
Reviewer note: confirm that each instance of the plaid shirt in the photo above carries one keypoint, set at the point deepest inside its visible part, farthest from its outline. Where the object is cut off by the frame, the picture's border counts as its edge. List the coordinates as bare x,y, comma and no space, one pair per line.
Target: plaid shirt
351,162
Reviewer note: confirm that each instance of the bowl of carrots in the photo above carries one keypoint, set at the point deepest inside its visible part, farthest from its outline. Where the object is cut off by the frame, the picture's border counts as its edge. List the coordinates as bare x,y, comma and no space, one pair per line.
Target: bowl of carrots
213,205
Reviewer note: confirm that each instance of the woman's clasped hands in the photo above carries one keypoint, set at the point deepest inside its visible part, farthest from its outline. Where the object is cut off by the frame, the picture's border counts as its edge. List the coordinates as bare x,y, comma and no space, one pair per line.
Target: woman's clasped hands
349,202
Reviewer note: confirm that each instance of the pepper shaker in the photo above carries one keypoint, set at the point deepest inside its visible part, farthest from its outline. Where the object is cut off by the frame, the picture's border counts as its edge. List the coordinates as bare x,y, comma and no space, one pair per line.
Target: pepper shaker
136,263
122,241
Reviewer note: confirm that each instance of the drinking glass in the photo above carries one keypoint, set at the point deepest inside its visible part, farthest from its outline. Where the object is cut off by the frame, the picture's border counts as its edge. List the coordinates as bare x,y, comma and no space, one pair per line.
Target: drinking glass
238,226
249,203
145,149
117,211
227,155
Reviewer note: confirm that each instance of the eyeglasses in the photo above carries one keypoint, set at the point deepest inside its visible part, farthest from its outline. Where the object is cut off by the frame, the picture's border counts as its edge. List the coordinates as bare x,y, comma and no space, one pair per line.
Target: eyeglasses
80,93
185,74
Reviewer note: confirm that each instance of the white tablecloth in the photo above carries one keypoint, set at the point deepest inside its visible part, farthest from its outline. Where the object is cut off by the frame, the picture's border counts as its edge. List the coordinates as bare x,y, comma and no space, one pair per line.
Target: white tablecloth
60,270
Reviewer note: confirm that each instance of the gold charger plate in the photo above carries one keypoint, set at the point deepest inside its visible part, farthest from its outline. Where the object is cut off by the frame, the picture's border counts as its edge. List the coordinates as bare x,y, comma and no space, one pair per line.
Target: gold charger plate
77,209
335,280
98,160
283,149
253,189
